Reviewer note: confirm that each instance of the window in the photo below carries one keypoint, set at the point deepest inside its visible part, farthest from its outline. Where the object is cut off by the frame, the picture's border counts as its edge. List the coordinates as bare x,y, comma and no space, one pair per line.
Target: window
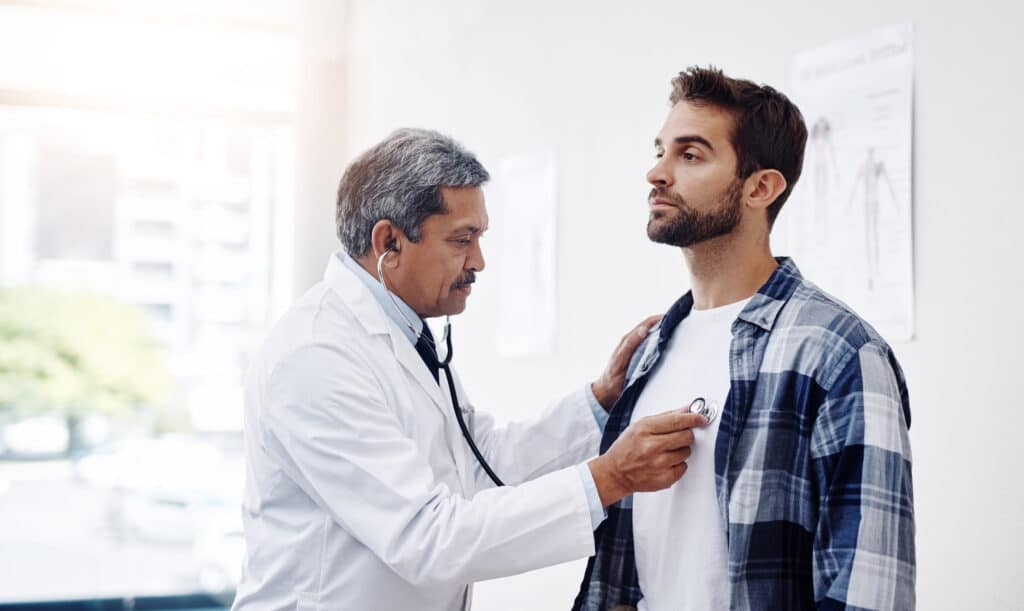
143,163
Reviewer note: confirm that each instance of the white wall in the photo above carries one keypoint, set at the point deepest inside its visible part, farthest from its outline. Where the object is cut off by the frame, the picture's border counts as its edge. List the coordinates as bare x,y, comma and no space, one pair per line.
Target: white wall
590,80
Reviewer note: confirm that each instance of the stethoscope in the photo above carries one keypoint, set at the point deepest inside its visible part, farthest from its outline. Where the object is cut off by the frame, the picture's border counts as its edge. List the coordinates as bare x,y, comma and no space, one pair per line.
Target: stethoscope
447,339
704,407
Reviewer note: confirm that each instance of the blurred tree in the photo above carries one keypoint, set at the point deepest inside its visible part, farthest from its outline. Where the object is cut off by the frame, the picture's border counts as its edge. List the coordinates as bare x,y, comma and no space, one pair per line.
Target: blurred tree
76,354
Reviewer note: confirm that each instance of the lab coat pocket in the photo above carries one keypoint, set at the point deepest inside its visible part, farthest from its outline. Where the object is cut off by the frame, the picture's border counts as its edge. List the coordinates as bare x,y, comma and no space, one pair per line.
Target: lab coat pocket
308,601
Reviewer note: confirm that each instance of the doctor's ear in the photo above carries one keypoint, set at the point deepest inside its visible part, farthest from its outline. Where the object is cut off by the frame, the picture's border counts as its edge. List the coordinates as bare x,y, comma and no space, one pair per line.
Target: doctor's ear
386,238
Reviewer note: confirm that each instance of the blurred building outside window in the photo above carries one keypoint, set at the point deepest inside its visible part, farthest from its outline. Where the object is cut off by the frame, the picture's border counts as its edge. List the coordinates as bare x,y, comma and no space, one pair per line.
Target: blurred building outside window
146,191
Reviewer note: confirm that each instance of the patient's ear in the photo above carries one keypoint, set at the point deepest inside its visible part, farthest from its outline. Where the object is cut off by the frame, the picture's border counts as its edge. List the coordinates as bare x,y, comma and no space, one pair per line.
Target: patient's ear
763,187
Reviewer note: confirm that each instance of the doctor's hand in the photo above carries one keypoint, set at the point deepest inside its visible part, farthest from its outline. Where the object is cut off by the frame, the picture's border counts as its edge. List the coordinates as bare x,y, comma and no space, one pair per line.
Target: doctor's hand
608,387
649,455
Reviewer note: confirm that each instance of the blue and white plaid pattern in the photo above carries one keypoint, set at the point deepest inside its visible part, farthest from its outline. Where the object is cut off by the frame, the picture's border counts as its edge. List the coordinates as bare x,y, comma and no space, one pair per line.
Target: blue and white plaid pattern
812,461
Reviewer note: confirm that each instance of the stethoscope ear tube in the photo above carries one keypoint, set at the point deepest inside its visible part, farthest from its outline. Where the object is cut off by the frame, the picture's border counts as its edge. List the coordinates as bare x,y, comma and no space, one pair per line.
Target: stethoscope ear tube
447,374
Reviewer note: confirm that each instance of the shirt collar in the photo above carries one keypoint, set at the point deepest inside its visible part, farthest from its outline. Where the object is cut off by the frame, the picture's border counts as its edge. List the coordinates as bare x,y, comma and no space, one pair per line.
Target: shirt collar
392,304
762,309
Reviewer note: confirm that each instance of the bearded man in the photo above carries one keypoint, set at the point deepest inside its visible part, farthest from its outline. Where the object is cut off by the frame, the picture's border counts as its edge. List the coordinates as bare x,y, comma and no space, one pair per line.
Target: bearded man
798,492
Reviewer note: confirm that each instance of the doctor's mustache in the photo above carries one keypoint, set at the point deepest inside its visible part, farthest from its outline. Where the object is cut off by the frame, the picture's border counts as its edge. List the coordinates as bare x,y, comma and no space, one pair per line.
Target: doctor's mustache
468,279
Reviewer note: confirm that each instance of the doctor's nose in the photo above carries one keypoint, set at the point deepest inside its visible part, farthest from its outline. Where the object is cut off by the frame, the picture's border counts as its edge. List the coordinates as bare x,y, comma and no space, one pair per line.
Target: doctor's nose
475,261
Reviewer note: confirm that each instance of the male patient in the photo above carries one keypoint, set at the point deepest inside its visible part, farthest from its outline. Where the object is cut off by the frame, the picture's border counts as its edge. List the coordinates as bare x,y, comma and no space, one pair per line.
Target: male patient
798,493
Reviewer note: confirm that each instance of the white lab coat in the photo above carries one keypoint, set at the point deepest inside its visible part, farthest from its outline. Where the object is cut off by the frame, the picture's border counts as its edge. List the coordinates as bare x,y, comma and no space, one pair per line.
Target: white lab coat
361,492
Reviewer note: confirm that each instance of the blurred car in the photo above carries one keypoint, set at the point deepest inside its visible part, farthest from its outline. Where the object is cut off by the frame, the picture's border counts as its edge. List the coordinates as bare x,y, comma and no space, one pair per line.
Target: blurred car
218,552
167,488
33,438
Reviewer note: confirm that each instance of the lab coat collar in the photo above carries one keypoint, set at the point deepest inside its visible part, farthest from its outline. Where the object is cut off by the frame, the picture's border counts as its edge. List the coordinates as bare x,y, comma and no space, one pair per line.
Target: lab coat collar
396,309
370,314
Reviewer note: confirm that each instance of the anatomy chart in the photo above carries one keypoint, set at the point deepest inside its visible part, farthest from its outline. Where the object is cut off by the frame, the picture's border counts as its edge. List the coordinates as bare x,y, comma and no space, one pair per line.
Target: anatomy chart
849,221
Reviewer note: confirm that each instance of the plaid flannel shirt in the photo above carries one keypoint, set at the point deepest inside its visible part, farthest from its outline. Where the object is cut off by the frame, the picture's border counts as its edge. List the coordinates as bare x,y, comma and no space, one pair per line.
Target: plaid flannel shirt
812,461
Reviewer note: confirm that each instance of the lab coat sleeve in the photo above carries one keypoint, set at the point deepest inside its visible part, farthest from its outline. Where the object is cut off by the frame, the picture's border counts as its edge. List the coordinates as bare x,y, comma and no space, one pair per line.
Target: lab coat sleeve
335,437
565,434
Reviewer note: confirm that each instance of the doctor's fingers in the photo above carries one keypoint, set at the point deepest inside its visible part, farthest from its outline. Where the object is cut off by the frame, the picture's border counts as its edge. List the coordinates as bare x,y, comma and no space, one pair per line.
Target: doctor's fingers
671,422
668,476
678,457
663,458
642,329
678,471
630,341
671,442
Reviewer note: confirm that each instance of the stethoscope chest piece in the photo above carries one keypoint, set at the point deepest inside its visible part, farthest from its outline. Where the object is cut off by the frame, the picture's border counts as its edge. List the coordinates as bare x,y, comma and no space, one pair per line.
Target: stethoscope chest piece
704,408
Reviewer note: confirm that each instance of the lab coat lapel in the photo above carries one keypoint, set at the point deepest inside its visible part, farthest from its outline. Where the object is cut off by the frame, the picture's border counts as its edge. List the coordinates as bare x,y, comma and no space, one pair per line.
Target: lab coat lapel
410,360
438,392
368,312
465,462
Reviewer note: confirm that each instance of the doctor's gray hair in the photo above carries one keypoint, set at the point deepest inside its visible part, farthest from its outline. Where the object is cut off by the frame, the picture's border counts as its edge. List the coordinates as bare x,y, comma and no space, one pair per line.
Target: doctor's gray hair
400,180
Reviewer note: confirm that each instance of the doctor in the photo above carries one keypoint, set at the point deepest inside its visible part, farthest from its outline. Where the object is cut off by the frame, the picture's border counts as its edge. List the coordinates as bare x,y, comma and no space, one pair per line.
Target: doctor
362,491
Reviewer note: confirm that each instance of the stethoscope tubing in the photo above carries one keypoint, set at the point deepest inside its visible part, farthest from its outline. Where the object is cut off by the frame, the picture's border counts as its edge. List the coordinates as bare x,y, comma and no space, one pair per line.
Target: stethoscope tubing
447,373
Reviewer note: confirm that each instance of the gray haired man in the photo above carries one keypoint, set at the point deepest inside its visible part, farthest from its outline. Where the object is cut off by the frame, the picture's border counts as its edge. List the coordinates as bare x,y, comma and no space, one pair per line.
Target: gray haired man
372,483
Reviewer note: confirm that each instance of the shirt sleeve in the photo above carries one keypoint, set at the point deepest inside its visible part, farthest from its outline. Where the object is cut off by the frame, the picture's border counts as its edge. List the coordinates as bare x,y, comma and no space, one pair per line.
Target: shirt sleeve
864,553
597,512
600,413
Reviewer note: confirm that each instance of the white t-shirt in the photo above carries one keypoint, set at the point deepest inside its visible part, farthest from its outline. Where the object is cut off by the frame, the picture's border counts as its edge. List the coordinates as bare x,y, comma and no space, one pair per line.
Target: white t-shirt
679,538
